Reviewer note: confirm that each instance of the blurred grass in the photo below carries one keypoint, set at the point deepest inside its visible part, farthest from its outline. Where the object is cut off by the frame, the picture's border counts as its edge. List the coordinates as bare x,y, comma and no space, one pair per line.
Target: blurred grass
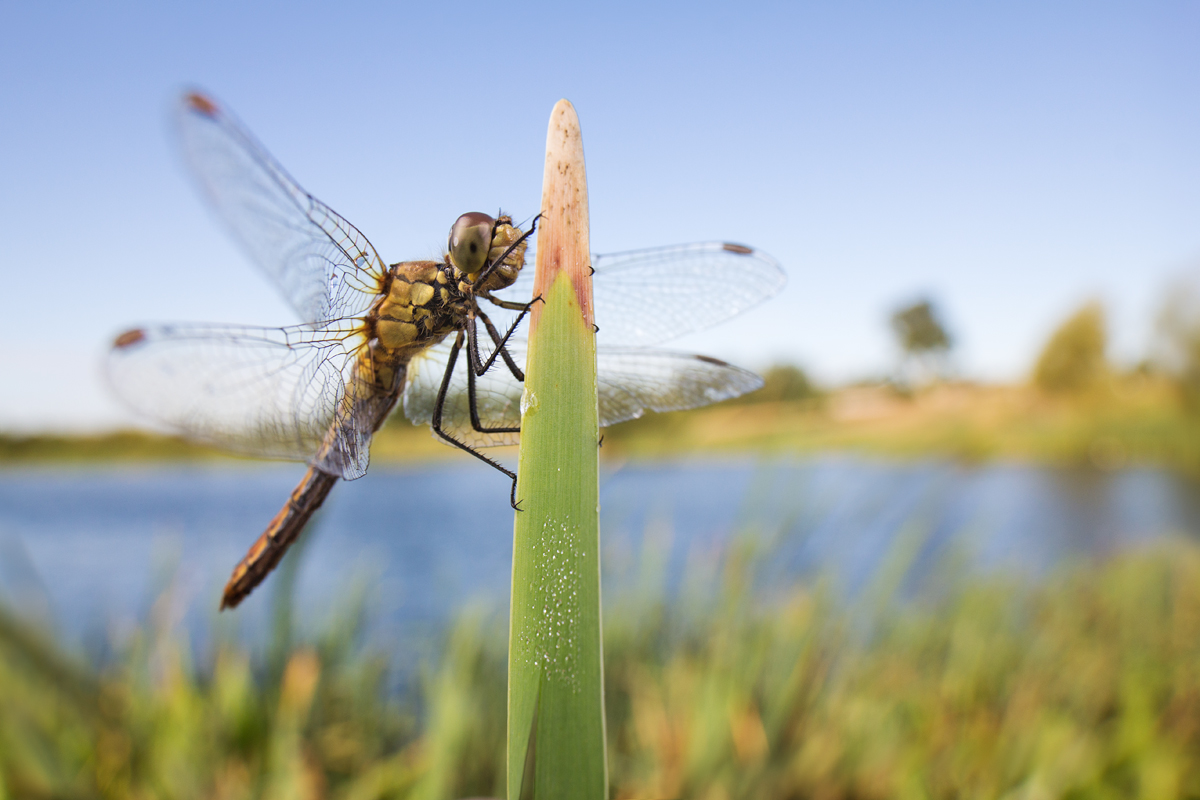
1085,685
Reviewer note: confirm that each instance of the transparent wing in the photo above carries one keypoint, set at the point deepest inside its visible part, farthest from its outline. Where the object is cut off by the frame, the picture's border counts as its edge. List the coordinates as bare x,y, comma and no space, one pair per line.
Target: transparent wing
655,295
299,393
324,266
631,381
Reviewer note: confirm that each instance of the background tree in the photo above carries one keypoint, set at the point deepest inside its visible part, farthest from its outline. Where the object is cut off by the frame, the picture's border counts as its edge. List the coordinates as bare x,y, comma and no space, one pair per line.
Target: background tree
1073,360
1177,342
785,383
923,340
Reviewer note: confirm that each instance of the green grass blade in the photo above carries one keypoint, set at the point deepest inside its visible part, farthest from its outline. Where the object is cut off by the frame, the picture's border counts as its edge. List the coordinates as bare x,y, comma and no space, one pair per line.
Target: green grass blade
556,688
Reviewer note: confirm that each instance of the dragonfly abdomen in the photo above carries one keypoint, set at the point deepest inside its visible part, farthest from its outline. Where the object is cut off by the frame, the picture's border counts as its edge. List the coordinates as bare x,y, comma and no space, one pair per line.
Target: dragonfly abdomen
287,525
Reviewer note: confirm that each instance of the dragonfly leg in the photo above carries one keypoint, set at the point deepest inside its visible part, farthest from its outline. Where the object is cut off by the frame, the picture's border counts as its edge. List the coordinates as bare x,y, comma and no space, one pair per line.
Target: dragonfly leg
477,365
508,359
509,305
476,423
440,405
501,343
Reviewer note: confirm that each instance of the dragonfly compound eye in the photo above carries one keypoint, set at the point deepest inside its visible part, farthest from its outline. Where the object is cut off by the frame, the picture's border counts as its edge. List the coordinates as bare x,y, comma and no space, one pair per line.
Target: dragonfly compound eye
470,240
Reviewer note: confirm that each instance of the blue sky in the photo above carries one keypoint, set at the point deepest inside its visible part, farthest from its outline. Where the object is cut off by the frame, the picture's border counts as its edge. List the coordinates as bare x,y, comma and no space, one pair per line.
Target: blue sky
1010,160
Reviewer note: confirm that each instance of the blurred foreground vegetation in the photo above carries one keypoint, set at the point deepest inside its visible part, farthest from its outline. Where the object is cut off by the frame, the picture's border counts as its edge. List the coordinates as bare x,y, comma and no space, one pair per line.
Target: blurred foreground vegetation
1087,685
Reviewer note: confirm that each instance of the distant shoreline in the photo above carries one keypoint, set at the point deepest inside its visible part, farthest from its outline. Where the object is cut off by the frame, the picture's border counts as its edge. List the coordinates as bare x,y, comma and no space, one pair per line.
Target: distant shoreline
1135,423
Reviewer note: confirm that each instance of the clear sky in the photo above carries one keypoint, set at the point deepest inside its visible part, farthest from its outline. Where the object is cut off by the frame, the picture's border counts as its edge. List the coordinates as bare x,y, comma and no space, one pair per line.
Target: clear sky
1009,159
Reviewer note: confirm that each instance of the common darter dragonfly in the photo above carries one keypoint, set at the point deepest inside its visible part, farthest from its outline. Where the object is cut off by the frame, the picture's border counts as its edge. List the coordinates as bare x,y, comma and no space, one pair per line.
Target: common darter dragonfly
375,336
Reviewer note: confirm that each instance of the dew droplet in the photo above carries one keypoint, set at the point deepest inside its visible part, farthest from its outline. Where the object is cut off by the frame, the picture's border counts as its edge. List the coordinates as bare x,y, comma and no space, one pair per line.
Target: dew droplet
529,402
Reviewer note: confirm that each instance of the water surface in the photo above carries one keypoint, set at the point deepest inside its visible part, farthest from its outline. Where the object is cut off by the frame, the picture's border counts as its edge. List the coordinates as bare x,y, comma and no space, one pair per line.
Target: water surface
90,546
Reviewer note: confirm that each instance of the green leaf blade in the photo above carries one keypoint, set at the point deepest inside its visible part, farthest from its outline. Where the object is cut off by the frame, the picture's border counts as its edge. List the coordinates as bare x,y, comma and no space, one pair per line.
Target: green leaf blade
556,682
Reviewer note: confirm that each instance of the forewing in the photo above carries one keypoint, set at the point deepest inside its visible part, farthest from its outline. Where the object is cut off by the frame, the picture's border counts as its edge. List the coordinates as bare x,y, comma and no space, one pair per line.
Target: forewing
630,382
651,296
274,392
324,266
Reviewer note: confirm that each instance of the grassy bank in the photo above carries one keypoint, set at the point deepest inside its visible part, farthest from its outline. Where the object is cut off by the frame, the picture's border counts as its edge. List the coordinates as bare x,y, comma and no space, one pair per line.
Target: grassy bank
1134,420
1087,686
399,442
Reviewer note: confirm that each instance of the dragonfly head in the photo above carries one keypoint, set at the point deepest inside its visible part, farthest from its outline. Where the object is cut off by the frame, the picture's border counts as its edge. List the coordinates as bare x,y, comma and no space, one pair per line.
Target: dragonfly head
477,239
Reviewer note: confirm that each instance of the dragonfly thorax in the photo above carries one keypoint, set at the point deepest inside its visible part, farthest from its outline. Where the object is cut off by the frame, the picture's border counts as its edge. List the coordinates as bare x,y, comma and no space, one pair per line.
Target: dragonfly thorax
421,306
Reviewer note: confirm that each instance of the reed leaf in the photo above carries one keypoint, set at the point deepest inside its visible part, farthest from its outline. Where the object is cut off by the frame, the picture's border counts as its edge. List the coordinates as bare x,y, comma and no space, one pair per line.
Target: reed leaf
556,739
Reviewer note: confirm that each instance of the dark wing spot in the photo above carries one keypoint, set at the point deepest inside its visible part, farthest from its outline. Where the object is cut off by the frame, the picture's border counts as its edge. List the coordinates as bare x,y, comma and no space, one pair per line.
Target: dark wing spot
740,249
130,338
711,360
201,104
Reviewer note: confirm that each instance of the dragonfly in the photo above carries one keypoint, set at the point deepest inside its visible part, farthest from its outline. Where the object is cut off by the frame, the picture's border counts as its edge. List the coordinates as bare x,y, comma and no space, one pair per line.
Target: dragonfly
441,339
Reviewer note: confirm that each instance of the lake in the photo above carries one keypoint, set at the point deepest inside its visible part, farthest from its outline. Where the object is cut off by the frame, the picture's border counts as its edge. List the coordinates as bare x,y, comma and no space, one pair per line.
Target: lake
91,548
